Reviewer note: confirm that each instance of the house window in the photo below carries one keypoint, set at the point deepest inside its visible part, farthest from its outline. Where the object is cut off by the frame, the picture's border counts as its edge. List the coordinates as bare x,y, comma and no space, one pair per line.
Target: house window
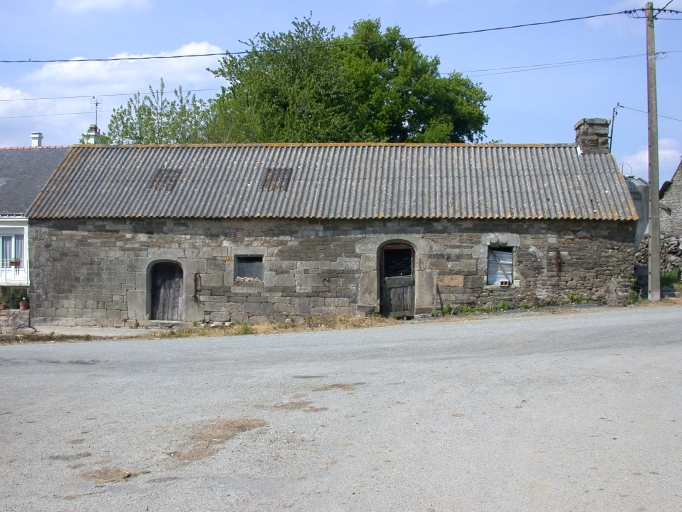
500,265
248,268
12,250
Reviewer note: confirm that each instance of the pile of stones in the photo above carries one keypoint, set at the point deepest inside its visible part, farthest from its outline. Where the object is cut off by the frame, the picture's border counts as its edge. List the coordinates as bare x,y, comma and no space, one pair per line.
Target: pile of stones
671,253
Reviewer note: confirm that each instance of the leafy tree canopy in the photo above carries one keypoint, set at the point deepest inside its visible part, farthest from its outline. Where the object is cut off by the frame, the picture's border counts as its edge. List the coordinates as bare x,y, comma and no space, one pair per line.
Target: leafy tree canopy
155,119
308,85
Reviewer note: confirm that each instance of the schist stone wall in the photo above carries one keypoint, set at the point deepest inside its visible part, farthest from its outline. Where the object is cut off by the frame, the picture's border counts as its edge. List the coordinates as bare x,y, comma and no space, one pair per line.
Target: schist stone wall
671,215
97,272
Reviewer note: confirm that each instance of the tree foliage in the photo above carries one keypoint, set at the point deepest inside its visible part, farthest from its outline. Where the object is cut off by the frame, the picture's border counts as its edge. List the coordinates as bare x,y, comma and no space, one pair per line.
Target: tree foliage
308,85
154,119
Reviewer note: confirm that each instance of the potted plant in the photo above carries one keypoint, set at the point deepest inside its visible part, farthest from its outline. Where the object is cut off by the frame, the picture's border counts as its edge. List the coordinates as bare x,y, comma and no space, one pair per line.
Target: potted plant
23,303
14,262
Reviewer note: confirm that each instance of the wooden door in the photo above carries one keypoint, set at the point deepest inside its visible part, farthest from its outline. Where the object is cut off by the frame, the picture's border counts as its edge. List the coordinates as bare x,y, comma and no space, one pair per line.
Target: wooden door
166,292
397,281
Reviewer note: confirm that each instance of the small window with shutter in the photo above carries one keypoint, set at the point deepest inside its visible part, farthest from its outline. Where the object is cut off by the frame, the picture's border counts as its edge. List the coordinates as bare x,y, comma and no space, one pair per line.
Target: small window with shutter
500,266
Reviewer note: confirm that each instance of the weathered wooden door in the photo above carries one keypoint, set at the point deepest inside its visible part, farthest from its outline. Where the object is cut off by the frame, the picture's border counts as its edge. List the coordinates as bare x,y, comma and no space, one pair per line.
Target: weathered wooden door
397,281
166,292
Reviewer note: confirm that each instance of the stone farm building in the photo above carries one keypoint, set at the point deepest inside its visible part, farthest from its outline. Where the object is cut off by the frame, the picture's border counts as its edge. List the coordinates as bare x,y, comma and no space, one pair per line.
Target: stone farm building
141,234
671,204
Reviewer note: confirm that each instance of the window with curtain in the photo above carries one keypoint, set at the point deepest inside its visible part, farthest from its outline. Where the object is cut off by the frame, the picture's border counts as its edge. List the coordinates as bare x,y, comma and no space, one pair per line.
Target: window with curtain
12,247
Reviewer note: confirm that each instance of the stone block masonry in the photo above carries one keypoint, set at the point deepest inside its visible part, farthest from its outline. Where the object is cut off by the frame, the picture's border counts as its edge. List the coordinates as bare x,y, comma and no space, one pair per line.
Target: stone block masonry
96,272
671,202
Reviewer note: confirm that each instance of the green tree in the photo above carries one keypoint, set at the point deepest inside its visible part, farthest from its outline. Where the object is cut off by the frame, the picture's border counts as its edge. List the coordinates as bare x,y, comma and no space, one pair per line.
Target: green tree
154,119
288,87
308,85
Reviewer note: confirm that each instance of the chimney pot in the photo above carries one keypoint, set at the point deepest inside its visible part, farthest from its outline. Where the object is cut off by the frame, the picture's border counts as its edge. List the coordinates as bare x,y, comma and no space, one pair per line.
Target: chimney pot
91,135
36,139
592,135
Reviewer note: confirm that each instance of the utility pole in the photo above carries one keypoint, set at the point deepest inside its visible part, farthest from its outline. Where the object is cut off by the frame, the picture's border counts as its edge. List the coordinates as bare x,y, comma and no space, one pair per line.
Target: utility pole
654,212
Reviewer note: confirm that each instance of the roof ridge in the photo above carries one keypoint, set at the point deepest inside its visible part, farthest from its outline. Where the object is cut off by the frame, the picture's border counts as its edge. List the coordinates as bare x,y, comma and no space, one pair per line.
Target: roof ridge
334,144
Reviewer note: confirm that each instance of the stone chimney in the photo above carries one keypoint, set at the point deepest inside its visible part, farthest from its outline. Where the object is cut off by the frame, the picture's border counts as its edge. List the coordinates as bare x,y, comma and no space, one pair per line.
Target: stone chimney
36,139
92,135
592,135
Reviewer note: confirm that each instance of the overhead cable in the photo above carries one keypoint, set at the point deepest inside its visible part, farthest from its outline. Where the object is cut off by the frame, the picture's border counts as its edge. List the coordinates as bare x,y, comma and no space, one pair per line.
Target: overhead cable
356,43
645,112
98,95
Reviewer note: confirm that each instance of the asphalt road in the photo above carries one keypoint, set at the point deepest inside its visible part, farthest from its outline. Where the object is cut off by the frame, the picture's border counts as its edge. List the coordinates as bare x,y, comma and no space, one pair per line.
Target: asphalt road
535,412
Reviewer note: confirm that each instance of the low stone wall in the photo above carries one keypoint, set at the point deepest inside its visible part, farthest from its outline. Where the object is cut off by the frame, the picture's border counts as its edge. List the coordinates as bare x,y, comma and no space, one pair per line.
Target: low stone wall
97,272
13,319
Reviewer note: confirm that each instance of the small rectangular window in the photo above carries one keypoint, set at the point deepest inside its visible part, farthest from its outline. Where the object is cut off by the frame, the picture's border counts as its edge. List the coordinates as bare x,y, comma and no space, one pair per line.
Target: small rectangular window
6,250
500,265
248,268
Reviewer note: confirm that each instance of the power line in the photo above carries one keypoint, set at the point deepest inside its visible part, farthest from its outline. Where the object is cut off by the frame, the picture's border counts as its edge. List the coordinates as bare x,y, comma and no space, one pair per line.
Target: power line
539,67
357,43
49,115
663,10
633,13
99,95
645,112
497,71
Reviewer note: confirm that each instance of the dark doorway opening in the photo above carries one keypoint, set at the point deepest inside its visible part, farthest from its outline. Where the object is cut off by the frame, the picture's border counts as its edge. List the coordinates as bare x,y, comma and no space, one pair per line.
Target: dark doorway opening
397,281
166,281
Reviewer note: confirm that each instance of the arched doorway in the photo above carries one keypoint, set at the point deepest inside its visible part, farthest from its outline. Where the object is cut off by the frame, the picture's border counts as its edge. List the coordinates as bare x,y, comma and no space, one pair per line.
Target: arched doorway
397,280
166,288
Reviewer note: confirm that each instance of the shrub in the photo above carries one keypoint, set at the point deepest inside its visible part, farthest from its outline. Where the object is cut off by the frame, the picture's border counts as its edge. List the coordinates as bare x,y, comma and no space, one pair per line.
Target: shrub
466,309
244,328
447,309
670,278
575,298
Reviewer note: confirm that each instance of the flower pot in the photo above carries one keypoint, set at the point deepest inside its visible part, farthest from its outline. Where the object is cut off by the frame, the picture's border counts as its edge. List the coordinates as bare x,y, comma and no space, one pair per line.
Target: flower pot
23,305
14,263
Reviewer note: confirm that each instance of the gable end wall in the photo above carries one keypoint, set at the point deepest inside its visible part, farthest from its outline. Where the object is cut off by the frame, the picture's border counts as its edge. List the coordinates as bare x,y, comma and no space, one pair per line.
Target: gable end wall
671,222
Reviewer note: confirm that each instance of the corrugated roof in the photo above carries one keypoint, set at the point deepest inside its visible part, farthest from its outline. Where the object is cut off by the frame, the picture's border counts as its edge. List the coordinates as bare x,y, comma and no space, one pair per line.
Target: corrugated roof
23,173
336,181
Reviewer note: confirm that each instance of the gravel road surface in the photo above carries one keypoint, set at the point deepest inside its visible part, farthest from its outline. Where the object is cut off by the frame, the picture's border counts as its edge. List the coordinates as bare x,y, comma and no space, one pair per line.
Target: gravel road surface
569,412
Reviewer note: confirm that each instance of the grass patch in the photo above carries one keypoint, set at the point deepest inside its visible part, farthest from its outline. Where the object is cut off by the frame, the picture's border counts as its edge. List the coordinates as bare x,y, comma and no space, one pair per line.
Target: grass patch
670,278
310,323
503,305
244,328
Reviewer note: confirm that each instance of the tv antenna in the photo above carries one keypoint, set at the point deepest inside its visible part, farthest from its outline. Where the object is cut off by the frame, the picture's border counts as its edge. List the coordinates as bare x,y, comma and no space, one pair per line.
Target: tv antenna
96,105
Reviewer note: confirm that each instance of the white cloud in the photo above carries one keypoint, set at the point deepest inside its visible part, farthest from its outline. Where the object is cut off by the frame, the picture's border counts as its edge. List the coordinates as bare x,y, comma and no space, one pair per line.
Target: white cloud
109,5
133,75
669,153
99,79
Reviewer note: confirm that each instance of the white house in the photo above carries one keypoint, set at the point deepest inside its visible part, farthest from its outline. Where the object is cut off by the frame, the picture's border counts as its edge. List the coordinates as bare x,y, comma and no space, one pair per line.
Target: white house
23,173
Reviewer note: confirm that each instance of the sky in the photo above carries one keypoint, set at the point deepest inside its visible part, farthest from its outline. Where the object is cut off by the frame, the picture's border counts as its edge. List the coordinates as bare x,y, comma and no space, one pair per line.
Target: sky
527,106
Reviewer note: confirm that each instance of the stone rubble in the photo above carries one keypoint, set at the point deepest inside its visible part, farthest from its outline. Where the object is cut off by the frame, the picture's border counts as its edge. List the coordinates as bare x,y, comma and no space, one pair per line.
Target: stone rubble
671,253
